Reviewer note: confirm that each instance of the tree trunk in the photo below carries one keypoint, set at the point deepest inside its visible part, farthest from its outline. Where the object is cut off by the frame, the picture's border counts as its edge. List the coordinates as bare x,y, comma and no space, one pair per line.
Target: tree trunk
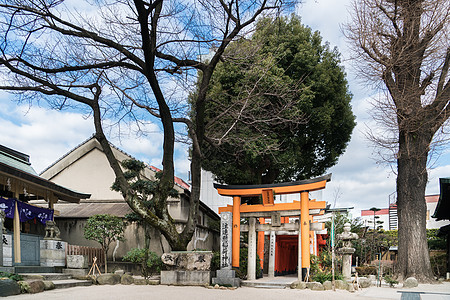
413,254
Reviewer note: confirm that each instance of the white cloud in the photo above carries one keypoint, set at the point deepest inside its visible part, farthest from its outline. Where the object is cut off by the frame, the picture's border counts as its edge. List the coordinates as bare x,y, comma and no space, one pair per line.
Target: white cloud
43,134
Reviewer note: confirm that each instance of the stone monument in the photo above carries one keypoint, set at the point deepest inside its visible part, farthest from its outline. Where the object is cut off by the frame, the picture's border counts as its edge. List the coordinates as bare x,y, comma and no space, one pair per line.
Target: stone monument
53,250
225,275
347,250
187,268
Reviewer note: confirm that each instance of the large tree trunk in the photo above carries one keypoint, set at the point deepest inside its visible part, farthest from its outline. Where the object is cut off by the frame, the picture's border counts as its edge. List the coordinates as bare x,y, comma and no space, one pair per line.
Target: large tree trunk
413,255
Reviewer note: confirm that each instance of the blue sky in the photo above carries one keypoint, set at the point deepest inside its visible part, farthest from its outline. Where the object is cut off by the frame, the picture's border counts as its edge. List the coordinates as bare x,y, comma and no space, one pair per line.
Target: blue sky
357,179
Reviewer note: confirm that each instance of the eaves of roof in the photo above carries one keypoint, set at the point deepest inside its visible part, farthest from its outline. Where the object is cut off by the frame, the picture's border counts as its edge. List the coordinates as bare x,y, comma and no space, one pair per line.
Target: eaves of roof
60,191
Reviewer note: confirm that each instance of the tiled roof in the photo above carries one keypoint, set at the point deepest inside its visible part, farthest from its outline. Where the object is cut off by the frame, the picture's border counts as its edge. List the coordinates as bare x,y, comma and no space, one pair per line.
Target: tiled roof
16,160
86,210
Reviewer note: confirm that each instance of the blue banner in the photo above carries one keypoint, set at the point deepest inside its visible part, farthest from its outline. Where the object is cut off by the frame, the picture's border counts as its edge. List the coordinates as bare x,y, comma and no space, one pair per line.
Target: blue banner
26,211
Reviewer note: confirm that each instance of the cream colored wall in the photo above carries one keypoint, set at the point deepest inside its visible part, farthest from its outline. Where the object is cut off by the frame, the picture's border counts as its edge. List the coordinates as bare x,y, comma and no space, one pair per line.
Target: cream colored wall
91,174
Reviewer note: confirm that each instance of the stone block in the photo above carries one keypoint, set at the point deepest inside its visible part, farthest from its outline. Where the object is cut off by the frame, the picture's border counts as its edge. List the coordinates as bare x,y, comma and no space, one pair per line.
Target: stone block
300,285
77,261
140,281
315,286
48,285
53,253
126,279
225,273
36,286
226,277
153,281
110,279
234,282
185,277
119,272
365,282
340,284
76,272
7,250
328,285
187,260
410,282
8,287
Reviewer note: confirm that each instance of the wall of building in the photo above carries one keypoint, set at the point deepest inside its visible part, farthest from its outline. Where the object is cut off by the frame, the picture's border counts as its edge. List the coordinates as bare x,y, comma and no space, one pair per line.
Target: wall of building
72,231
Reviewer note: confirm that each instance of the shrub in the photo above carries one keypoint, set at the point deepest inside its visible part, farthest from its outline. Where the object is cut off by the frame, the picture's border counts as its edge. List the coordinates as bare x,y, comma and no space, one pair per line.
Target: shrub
215,261
242,272
325,276
13,276
153,264
390,281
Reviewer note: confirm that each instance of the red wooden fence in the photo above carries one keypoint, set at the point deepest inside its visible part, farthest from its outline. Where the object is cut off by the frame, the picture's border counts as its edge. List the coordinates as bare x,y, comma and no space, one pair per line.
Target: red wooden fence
88,251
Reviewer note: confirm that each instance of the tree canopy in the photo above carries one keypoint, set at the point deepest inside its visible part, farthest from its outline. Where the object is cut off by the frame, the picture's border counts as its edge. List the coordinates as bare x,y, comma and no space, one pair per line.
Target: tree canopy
104,229
279,106
128,60
403,47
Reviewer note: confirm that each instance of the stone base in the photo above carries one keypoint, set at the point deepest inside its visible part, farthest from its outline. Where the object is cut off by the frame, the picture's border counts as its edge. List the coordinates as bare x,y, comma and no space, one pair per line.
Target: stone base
7,250
185,277
226,277
53,253
77,262
76,272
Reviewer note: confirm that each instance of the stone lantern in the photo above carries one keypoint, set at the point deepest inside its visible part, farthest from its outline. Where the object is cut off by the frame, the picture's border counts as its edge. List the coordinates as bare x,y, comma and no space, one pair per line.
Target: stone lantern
347,250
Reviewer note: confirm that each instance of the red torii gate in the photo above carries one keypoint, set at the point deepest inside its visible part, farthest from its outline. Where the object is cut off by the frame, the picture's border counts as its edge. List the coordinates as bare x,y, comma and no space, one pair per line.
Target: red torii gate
267,192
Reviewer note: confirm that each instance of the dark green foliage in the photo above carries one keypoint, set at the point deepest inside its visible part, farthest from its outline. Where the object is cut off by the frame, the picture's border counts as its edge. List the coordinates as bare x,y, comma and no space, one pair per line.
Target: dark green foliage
104,229
153,264
215,261
391,281
138,183
243,259
436,242
325,276
287,95
13,276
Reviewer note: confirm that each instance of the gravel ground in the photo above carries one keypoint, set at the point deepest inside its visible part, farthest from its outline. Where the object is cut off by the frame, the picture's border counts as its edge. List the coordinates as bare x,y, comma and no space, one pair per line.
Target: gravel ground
136,292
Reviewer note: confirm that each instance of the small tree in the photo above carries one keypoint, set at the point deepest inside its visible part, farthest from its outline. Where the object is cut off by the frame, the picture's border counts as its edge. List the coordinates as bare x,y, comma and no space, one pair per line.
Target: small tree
104,229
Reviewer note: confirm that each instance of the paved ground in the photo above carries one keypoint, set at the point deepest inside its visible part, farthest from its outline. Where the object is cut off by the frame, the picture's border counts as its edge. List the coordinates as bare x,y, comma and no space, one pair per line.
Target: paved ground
136,292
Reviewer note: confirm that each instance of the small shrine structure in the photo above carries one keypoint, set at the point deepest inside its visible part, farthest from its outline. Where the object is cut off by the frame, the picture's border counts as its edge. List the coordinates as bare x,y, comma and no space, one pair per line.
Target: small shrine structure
290,226
21,223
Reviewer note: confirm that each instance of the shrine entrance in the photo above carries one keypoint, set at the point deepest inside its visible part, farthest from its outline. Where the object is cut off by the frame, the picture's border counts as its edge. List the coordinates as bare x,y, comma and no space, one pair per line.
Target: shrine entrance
290,226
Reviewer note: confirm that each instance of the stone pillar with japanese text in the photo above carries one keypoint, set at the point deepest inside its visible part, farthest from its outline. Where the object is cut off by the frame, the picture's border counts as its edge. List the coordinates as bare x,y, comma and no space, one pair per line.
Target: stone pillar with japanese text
226,275
225,240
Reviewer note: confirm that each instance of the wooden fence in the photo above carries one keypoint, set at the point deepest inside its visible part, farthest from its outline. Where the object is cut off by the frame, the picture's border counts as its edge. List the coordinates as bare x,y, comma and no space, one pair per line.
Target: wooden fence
88,251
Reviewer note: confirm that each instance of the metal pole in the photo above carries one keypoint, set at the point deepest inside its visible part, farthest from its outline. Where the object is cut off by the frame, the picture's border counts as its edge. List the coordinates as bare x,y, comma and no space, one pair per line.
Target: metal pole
332,251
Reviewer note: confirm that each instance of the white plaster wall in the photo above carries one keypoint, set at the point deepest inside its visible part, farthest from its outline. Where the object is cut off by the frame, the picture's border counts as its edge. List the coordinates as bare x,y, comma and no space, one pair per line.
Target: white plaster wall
90,174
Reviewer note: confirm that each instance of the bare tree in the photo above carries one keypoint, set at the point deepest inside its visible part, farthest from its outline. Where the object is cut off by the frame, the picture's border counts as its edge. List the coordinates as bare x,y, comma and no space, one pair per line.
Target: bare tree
404,44
121,55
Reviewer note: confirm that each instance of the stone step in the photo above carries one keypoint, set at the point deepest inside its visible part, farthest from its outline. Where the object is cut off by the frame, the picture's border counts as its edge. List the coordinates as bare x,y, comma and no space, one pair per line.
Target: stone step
64,284
46,276
36,269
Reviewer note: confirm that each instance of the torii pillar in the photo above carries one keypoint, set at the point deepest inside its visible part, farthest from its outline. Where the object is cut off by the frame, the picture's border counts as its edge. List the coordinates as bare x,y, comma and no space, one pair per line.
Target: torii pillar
236,237
304,228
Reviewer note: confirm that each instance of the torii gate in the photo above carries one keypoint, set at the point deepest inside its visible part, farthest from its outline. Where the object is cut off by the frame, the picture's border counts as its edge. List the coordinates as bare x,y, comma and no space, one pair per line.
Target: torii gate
303,209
